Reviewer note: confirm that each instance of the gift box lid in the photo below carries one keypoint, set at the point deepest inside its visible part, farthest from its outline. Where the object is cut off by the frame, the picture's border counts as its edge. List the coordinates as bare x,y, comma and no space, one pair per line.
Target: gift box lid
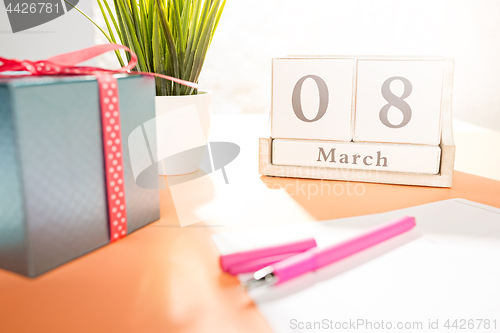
29,80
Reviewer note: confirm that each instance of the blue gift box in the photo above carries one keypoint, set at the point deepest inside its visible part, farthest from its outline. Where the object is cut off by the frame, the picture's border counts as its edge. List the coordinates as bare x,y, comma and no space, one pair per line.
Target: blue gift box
53,203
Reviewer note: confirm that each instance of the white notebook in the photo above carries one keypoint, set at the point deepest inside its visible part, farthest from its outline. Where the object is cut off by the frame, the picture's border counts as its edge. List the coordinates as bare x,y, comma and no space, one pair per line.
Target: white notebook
443,276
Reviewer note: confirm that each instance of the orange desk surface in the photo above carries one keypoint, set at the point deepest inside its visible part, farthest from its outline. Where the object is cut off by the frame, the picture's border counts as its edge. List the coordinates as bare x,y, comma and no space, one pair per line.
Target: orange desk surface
164,278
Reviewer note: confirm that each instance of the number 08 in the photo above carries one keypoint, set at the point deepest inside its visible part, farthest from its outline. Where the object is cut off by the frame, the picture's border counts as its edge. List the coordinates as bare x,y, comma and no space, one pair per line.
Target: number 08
392,100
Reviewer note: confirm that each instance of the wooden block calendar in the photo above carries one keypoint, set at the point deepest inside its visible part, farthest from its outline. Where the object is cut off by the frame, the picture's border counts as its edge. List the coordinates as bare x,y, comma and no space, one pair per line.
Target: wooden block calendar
360,118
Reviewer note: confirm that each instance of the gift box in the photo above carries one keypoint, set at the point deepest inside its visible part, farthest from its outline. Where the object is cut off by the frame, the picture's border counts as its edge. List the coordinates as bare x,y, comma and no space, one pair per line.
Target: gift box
56,201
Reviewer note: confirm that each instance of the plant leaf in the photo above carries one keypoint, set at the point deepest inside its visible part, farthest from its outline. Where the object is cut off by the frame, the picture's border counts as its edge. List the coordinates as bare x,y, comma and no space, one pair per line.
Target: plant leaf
110,31
132,35
170,40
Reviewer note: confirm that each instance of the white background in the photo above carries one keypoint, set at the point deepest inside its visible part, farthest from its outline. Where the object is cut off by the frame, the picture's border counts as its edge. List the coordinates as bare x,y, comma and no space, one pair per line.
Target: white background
238,67
66,33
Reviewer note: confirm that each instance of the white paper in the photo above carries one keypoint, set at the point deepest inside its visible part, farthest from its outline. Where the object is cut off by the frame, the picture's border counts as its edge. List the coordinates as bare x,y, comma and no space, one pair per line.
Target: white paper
446,268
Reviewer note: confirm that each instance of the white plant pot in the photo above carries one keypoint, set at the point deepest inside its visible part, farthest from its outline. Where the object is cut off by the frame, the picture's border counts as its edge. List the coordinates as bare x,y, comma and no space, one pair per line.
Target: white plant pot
182,123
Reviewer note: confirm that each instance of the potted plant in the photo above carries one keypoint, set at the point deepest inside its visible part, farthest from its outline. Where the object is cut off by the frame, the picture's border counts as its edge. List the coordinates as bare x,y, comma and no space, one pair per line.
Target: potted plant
170,37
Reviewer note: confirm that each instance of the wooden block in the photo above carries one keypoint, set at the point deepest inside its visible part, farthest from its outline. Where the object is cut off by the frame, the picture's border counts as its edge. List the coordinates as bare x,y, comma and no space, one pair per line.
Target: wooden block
359,156
399,101
312,98
444,178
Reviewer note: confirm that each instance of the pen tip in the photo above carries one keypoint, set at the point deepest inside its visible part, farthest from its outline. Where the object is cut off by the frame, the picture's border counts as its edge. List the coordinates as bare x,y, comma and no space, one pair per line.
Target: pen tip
253,283
263,277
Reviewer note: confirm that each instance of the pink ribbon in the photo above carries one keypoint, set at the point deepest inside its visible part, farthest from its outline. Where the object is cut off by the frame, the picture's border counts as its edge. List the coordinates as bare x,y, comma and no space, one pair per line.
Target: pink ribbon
65,64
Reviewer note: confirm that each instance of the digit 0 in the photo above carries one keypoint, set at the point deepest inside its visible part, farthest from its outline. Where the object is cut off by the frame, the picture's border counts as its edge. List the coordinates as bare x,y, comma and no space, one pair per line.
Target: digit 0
323,98
396,101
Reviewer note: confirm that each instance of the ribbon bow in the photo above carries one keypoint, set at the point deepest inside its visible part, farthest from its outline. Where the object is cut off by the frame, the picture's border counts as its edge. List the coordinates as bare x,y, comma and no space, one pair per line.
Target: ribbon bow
65,64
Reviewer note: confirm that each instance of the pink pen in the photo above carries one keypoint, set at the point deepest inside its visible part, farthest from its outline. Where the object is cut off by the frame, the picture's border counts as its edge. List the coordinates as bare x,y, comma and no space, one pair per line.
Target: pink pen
316,258
252,260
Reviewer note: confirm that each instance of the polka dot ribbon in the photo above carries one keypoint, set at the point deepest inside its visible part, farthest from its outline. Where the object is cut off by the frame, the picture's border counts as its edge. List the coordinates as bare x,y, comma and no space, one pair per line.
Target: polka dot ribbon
65,64
113,156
